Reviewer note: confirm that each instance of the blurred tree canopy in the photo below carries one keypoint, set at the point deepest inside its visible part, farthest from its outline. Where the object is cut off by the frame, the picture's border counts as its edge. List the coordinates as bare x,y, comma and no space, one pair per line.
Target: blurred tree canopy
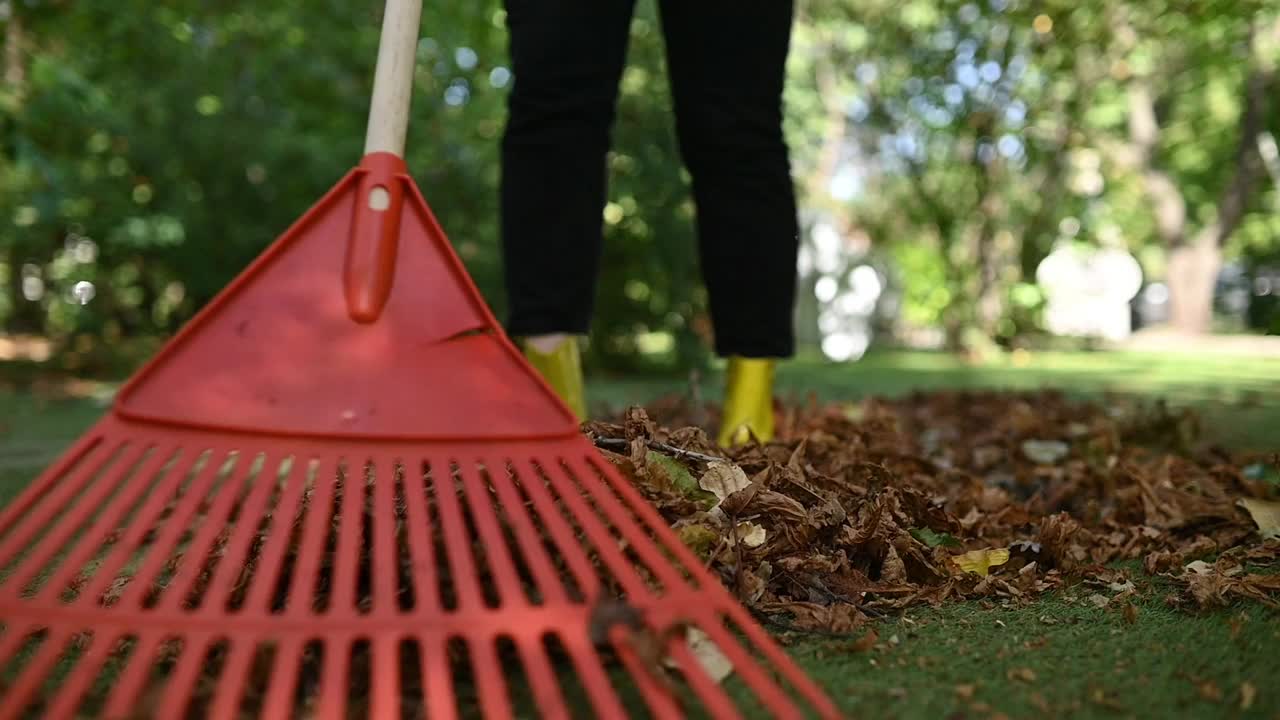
942,149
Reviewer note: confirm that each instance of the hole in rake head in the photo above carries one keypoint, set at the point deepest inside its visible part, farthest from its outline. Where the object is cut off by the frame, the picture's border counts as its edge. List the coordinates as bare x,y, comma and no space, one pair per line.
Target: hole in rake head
406,596
465,697
359,685
412,697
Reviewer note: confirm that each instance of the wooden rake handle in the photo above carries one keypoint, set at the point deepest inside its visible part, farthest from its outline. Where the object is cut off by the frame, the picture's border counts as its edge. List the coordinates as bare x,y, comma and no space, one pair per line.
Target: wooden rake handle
393,78
375,225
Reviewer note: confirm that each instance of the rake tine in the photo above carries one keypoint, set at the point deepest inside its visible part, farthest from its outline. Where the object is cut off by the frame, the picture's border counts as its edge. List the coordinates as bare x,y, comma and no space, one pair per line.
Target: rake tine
34,673
110,519
384,560
315,528
277,539
495,698
332,703
712,695
178,690
659,697
69,522
562,533
591,670
90,666
384,689
546,579
216,521
167,539
284,678
342,596
458,553
52,490
427,601
546,691
506,578
126,690
437,677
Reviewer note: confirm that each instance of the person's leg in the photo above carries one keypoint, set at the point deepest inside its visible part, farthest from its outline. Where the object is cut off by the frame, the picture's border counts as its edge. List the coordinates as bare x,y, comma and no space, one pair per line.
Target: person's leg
566,59
728,63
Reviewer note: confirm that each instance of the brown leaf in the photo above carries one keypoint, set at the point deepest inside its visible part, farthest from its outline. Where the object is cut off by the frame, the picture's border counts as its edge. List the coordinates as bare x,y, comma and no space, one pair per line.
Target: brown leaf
865,643
893,571
1024,674
1130,613
723,479
1210,691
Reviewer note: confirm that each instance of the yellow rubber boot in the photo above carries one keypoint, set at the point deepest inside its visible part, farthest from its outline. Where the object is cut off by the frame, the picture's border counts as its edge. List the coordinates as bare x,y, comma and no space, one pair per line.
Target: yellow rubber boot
558,360
748,401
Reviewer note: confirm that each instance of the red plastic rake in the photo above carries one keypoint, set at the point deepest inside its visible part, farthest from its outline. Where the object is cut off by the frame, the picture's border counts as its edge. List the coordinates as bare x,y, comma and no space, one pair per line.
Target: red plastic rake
341,492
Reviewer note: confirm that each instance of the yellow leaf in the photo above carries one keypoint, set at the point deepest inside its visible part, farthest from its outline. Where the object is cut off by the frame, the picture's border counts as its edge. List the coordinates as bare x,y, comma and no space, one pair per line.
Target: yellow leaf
1266,513
1247,695
751,535
981,561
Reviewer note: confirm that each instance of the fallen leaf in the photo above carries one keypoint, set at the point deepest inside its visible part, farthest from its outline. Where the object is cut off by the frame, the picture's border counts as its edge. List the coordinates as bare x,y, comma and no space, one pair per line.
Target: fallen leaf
671,472
1130,613
934,539
751,535
1237,624
1126,586
966,691
723,479
1266,513
893,570
1248,693
699,538
1200,567
1210,691
1024,674
709,656
1099,696
1045,452
1099,601
865,643
981,561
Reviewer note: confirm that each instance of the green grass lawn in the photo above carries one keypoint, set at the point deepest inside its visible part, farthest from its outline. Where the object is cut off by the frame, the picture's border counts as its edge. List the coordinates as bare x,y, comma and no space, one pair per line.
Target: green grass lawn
1060,657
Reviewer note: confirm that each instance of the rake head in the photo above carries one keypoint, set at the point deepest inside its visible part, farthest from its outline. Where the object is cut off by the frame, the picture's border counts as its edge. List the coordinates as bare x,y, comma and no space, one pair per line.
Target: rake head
300,510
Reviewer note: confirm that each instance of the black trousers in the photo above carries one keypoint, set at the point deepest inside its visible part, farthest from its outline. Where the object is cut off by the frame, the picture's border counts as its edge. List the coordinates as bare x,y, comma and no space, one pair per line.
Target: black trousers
726,62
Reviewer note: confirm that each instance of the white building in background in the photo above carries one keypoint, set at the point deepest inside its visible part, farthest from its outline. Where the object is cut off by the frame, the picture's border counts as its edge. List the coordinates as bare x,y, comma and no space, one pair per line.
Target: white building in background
1089,291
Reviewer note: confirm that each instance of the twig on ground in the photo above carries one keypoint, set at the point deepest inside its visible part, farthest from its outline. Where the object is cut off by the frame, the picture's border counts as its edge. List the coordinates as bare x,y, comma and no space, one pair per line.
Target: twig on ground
621,444
788,627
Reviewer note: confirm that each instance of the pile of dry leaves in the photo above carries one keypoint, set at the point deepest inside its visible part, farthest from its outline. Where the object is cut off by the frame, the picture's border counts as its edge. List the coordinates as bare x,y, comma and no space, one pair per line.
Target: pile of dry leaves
857,510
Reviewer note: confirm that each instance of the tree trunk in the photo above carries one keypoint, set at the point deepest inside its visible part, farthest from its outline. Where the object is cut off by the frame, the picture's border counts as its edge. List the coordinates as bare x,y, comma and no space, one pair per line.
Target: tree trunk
1192,275
15,70
1194,264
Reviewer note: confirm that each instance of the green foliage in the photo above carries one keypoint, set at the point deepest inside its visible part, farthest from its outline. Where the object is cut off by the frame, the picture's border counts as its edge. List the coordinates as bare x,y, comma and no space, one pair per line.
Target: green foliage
153,150
177,141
